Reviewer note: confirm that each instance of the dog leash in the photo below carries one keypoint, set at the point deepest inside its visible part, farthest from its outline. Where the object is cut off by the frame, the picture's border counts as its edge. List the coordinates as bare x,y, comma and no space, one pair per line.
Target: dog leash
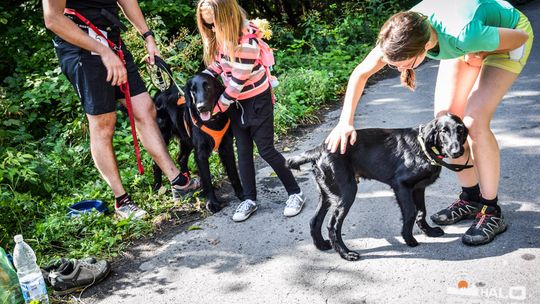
162,66
123,87
437,160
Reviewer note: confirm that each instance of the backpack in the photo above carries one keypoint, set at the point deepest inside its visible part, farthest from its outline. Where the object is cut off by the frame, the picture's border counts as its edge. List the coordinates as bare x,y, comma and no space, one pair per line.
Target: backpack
266,57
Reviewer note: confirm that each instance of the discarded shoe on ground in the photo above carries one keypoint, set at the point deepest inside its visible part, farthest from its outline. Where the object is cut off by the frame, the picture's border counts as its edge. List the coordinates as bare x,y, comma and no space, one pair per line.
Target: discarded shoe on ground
69,276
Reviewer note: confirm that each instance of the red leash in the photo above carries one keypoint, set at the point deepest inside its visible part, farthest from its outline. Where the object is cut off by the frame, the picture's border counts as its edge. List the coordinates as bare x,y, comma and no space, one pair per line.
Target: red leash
123,87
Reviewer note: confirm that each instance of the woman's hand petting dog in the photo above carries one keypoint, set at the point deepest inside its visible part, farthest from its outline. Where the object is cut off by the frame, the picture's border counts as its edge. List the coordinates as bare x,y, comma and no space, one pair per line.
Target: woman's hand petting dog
339,136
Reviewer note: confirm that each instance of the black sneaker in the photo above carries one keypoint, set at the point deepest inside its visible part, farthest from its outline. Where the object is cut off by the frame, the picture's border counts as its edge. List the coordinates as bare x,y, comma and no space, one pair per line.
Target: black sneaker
74,276
459,210
488,223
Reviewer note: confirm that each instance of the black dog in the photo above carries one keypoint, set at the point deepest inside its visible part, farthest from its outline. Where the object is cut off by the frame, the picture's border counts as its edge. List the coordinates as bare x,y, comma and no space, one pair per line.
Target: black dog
408,160
197,129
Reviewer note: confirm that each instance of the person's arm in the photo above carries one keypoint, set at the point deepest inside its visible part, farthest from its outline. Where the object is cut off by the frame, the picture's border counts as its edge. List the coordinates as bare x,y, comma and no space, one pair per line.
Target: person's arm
214,69
246,59
53,14
344,131
509,39
133,13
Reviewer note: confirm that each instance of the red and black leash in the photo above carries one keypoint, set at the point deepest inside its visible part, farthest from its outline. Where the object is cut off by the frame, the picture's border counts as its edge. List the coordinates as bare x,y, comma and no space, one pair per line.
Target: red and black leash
123,87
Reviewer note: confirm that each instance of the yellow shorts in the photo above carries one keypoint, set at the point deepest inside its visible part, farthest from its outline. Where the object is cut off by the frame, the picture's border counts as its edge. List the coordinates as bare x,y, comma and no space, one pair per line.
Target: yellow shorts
503,61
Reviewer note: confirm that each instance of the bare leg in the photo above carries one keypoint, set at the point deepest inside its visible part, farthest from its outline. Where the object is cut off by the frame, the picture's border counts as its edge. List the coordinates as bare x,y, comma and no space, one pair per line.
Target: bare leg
101,133
492,84
455,81
148,130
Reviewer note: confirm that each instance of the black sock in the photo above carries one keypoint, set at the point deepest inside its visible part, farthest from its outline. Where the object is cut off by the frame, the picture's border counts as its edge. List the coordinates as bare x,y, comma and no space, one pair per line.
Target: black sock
470,193
181,180
491,203
122,199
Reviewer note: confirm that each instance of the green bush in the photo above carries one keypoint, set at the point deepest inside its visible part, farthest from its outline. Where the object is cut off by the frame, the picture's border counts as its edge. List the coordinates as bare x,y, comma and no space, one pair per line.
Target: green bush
300,93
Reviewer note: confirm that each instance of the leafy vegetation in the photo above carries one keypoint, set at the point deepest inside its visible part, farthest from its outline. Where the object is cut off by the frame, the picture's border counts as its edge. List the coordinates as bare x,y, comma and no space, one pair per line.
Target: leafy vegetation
45,163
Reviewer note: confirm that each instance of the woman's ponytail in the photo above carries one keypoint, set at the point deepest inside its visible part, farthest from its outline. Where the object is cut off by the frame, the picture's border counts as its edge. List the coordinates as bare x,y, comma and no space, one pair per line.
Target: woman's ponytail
408,79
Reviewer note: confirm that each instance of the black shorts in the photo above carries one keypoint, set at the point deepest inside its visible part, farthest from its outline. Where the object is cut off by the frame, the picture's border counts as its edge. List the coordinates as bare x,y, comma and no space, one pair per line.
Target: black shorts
88,75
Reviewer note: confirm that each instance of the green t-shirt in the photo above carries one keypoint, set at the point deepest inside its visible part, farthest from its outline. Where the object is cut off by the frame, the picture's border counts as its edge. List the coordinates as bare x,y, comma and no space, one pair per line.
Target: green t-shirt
467,26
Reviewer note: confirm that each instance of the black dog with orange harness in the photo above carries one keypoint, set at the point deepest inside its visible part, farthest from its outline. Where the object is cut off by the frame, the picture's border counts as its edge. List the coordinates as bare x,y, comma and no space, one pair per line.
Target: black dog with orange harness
187,116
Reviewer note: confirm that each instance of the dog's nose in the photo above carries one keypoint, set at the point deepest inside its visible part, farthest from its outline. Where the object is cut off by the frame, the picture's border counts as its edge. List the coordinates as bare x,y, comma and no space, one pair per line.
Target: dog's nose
456,150
203,107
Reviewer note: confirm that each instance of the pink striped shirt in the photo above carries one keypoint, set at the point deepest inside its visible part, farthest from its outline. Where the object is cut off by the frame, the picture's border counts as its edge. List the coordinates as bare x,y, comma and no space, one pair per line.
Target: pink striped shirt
245,77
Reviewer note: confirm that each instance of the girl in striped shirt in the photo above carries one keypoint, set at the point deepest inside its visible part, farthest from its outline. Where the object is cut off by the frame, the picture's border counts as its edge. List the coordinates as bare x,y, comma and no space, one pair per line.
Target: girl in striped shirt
232,50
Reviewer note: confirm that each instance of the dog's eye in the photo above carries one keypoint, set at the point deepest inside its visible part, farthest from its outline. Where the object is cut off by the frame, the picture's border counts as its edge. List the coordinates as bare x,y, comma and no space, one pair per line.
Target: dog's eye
459,129
445,130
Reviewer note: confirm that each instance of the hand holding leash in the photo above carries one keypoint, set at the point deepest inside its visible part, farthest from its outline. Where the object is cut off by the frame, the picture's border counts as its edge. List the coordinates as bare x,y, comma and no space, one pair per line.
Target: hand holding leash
152,49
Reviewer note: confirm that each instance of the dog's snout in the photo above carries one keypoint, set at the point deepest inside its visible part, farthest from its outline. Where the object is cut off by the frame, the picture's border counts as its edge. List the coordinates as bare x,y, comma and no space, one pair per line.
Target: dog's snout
456,150
203,107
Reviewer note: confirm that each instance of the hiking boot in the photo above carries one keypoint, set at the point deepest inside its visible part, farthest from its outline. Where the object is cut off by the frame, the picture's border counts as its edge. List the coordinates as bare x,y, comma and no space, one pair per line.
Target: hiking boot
244,210
55,265
128,208
488,223
74,276
294,204
459,210
179,193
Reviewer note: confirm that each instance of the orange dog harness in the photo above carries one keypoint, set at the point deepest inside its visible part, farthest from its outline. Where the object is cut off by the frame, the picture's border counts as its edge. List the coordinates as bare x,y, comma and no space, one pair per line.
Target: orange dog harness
217,135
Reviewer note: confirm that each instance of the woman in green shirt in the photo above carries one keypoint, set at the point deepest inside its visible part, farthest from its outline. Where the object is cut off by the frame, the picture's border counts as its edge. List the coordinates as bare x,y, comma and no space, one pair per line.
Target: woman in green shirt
482,46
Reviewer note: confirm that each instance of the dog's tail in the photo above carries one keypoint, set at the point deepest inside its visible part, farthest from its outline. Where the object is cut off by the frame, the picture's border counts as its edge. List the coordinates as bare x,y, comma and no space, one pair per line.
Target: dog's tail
309,156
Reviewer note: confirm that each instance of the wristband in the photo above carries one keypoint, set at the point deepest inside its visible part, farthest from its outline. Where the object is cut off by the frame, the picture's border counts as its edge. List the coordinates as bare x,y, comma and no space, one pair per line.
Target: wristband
148,33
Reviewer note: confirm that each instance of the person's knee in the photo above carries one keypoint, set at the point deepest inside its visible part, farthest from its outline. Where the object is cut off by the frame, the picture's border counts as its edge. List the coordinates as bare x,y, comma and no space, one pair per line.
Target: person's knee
477,123
144,109
146,115
102,126
269,153
244,152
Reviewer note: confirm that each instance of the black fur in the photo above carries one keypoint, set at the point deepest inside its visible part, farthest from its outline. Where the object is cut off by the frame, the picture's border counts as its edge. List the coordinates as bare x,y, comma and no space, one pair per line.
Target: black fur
391,156
205,91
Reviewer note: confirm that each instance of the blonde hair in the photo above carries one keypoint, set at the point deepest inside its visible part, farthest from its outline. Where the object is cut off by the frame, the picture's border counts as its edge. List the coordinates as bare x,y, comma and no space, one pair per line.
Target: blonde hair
229,20
404,36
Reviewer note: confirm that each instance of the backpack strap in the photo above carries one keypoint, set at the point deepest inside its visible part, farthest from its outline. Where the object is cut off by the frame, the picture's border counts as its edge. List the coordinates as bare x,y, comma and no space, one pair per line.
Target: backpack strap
260,61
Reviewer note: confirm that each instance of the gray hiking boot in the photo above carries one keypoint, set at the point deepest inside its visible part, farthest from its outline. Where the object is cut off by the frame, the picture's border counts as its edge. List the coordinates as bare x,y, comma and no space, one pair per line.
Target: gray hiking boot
76,275
130,209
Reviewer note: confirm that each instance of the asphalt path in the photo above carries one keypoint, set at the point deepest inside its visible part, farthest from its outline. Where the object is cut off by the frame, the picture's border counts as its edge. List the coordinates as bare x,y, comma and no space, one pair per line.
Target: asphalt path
271,259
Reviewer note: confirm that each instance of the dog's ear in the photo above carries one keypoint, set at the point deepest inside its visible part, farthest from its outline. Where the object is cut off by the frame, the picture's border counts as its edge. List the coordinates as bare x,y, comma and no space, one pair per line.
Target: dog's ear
187,91
465,134
430,134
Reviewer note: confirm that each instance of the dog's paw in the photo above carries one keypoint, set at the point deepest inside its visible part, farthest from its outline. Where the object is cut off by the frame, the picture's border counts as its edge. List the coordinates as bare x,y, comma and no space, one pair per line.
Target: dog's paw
156,187
351,256
412,242
214,207
324,245
434,232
